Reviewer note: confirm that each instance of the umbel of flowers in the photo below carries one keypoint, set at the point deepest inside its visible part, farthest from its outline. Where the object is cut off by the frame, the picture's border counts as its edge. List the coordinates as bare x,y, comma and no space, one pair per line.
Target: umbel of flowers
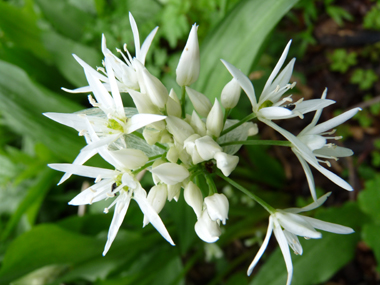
178,148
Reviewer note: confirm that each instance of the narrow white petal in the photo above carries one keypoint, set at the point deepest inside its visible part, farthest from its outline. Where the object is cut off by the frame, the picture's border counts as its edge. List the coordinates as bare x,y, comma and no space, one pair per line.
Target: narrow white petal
277,67
150,213
313,105
93,193
141,120
136,36
335,151
281,239
296,224
262,248
71,120
89,69
293,242
118,217
244,82
333,177
82,170
101,142
309,207
309,175
329,227
273,113
84,89
332,123
146,44
118,103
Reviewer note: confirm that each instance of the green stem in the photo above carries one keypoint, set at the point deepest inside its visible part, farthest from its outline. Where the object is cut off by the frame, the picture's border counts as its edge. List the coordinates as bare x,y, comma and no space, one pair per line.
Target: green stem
211,184
155,157
264,204
259,142
226,114
143,167
183,101
248,118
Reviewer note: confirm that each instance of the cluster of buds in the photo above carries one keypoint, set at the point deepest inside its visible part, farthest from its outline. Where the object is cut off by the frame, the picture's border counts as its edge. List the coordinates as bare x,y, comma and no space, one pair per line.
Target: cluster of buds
179,149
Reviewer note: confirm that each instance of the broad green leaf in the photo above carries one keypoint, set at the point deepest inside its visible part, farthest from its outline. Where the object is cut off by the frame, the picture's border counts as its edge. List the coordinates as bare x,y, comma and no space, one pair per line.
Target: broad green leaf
65,18
46,245
369,199
237,39
22,105
322,258
371,237
36,192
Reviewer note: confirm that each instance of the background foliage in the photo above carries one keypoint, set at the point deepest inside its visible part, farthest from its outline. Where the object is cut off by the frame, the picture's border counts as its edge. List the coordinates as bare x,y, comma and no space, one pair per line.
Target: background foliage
45,240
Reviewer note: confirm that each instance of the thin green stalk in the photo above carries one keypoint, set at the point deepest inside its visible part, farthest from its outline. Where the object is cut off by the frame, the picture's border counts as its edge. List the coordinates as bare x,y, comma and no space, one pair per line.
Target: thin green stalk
226,114
246,119
264,204
143,167
211,184
259,142
155,157
183,101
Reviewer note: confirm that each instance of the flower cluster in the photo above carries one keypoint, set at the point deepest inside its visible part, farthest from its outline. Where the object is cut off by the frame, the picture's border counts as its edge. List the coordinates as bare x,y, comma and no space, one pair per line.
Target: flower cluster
178,149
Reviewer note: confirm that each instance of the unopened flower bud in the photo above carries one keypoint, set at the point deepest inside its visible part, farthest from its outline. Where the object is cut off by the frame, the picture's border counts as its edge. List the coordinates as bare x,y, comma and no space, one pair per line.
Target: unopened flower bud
193,197
172,154
157,92
174,191
189,63
217,207
230,94
214,121
226,162
173,107
171,173
156,198
191,148
179,128
200,102
207,147
207,229
129,158
197,124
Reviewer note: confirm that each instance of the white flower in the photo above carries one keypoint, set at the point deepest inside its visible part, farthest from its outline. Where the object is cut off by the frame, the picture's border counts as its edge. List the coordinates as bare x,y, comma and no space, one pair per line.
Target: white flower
170,173
217,207
207,229
270,105
226,162
189,64
200,102
157,198
311,144
230,94
109,184
287,225
193,197
214,122
125,72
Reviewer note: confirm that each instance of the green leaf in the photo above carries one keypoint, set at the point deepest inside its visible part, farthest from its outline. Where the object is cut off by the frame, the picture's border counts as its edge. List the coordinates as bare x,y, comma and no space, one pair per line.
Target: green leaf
237,39
22,105
369,199
371,237
36,192
65,18
322,258
46,245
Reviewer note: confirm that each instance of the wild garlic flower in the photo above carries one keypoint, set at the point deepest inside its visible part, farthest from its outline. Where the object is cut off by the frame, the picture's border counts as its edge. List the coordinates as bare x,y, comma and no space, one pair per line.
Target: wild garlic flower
311,146
119,183
271,105
126,73
288,224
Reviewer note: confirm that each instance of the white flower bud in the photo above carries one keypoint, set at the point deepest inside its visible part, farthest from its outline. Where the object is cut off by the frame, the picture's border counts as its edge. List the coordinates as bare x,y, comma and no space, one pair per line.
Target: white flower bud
174,191
217,207
189,63
191,148
200,102
173,107
156,163
157,92
226,162
130,158
143,103
230,94
193,197
253,129
171,173
197,124
179,128
151,135
207,147
207,229
214,121
157,198
172,154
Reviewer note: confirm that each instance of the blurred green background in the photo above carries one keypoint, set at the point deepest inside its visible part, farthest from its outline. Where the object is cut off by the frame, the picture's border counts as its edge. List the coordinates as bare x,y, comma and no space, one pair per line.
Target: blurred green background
45,241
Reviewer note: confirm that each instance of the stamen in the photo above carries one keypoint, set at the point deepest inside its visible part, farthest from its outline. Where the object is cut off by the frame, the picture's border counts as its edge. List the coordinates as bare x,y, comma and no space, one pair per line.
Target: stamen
129,55
92,190
277,88
91,200
299,101
111,195
92,101
98,179
325,161
106,210
329,133
293,84
307,238
82,133
102,70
